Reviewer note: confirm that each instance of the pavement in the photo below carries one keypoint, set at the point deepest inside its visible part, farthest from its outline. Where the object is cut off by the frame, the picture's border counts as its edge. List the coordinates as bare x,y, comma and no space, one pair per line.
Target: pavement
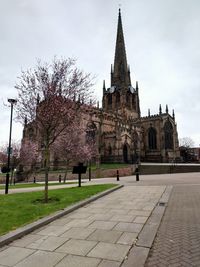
153,222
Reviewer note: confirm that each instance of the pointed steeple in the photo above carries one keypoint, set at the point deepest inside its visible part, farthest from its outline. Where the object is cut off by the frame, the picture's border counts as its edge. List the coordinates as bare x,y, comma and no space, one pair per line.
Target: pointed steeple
160,109
137,87
167,110
173,114
104,86
121,74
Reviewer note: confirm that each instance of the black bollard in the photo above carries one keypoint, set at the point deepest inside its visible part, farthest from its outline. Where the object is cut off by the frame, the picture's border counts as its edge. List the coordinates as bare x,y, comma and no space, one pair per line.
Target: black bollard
137,174
89,173
59,179
34,180
79,180
117,175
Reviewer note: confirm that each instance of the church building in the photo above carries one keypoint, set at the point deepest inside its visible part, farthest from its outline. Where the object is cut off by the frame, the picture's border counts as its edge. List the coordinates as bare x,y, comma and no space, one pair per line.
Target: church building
121,134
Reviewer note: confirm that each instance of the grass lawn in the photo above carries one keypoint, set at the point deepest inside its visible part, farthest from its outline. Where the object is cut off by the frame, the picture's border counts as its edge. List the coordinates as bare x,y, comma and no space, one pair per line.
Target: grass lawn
111,166
33,185
20,209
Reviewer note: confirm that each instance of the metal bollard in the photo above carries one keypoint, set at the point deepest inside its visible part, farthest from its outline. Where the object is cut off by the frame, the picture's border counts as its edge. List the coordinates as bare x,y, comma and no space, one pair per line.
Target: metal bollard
59,179
90,173
117,175
34,180
137,174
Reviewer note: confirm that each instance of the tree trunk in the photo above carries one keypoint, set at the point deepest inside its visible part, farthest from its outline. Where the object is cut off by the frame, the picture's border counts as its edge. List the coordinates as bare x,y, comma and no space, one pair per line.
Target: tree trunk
65,176
11,178
46,174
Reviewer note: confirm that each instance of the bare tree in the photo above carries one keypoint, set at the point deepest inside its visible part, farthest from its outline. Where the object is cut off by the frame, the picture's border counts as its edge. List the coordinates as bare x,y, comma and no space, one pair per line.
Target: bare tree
186,142
187,149
46,96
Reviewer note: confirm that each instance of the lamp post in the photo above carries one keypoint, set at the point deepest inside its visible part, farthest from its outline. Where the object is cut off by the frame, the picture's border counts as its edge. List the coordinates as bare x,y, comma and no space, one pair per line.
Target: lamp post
12,102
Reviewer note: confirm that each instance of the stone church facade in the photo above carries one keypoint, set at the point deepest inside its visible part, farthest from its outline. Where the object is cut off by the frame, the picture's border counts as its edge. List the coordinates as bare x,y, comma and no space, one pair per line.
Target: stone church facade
121,134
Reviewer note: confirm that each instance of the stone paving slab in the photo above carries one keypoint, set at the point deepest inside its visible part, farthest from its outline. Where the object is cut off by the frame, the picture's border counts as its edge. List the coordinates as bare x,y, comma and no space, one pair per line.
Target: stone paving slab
109,251
77,247
12,255
53,230
75,261
105,236
41,259
78,233
26,240
104,225
107,263
122,218
127,238
49,243
129,227
136,257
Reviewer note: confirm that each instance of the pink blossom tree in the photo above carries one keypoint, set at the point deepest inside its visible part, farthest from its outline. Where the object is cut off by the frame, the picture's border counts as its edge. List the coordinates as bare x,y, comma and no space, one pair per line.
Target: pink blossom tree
15,156
72,148
46,96
29,157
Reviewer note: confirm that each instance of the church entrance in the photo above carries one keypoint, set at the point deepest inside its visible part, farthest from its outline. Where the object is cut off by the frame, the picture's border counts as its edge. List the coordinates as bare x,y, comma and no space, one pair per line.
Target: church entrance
125,153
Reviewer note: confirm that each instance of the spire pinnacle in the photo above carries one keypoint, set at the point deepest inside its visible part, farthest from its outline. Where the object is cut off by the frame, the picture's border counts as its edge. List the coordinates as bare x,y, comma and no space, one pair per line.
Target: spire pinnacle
160,109
167,110
137,87
104,86
173,114
121,74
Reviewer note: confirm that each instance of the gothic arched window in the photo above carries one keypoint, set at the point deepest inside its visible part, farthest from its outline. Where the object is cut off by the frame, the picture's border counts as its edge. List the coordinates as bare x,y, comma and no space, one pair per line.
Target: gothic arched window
128,99
91,132
152,138
133,102
110,100
117,99
110,150
168,131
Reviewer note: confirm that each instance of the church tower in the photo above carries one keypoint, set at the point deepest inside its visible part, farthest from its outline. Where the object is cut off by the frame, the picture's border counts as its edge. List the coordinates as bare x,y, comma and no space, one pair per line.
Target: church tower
121,97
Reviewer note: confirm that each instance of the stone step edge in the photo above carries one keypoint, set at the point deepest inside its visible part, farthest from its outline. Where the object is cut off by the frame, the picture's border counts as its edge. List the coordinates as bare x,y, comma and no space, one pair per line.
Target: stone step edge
20,232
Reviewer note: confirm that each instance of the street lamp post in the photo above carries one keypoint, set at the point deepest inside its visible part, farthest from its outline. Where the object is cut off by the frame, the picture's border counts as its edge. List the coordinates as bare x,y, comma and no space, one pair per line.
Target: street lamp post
12,102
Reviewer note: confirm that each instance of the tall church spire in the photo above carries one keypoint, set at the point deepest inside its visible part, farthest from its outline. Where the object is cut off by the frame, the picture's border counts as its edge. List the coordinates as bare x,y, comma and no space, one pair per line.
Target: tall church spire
121,74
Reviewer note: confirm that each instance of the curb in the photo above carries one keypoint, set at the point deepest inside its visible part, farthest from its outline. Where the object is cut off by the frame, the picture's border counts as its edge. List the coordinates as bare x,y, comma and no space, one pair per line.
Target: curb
20,232
139,252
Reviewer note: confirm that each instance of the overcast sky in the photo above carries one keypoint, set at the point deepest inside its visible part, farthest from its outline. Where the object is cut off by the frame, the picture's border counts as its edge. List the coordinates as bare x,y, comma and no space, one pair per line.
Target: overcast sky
162,39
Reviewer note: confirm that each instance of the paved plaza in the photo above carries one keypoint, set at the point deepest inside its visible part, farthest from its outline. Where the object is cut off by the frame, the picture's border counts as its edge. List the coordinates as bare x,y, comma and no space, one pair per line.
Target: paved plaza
119,229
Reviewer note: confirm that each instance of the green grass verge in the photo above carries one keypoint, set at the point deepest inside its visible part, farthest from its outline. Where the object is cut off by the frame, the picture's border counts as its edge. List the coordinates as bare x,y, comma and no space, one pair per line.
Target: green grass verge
20,209
106,166
33,185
